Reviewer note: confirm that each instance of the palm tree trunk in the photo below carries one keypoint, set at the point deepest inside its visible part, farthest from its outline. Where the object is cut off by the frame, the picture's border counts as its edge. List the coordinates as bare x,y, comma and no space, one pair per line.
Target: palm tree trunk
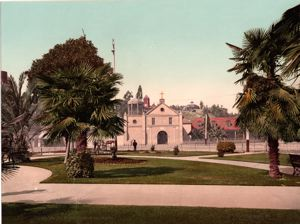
81,142
67,149
274,158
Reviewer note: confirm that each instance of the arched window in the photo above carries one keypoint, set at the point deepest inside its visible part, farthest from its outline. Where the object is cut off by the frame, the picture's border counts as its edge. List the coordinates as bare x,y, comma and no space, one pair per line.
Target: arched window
134,121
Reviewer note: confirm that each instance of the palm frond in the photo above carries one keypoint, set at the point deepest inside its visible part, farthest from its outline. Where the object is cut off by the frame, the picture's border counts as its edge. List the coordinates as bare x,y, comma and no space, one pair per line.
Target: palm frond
248,97
292,60
8,171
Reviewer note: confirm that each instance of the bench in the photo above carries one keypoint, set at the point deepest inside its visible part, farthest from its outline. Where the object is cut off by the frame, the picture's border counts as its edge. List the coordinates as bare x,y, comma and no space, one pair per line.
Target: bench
295,161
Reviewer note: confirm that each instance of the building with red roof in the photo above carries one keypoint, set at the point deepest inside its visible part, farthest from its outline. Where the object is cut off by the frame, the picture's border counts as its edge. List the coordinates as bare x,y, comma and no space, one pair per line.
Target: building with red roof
228,124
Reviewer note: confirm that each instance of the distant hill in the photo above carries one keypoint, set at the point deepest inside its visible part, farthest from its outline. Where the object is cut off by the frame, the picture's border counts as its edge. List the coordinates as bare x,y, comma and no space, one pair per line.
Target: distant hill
192,111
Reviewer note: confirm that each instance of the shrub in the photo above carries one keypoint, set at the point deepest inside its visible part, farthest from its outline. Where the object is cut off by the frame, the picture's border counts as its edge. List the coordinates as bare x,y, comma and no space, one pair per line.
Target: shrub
176,150
80,165
113,150
226,147
152,148
22,156
220,153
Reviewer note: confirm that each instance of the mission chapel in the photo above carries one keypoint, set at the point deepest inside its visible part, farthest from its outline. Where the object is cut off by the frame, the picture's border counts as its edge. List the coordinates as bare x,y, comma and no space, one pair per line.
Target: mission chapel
152,125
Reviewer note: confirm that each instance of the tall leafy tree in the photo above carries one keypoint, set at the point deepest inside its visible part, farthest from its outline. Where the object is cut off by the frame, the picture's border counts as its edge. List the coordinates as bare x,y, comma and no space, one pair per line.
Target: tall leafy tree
123,107
68,55
79,103
127,96
267,106
201,105
139,94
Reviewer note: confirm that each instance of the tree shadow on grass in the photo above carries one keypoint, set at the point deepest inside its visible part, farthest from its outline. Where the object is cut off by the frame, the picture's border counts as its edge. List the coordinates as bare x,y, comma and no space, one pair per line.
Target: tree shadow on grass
30,211
134,172
22,192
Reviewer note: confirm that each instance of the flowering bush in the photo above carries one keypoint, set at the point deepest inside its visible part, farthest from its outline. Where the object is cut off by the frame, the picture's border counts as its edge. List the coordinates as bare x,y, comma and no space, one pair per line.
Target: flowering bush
80,165
226,147
176,150
152,147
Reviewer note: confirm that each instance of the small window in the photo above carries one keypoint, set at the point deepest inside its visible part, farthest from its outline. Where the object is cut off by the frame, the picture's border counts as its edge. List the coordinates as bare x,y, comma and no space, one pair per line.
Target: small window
162,109
134,121
153,121
170,120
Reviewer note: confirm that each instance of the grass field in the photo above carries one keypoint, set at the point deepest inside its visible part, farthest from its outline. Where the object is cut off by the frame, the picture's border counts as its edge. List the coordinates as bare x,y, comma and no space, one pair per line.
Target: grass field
55,213
257,158
164,171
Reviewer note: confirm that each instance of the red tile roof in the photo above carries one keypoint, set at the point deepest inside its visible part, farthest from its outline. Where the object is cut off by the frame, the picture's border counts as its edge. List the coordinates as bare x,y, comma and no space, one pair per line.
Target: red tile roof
226,123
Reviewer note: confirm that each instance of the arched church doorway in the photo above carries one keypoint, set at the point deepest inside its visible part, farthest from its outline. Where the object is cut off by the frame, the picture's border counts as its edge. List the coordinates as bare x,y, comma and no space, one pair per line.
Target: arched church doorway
162,137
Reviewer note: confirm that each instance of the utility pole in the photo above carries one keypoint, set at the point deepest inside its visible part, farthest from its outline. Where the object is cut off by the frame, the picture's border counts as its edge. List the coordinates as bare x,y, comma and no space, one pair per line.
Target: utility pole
114,70
205,129
247,140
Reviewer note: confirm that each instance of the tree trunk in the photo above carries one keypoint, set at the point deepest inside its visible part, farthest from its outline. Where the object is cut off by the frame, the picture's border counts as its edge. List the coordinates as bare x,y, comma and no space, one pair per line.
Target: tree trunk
274,158
81,142
67,150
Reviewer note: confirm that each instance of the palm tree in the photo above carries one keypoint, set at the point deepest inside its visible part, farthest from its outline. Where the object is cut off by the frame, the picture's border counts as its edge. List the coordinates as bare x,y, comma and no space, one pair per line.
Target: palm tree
79,103
288,28
215,132
267,106
17,113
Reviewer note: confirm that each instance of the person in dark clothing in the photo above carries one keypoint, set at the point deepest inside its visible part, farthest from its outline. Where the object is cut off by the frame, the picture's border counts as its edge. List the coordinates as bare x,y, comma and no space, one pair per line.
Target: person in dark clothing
134,145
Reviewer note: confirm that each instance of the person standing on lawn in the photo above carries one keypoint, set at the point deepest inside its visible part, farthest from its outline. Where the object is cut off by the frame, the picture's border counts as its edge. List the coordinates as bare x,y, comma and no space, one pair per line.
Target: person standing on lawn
134,145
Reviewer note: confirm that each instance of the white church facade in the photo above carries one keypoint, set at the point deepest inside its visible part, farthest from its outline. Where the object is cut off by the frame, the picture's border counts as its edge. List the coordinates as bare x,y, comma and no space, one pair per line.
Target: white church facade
157,125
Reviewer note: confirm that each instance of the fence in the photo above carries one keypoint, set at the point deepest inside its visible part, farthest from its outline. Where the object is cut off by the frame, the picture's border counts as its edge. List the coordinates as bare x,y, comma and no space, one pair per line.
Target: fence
255,146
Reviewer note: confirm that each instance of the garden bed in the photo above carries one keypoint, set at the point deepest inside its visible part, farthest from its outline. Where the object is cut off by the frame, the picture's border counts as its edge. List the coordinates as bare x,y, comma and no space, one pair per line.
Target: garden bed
107,160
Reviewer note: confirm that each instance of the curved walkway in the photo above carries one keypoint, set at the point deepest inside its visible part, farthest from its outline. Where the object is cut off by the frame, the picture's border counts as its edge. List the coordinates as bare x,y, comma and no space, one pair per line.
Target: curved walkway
25,187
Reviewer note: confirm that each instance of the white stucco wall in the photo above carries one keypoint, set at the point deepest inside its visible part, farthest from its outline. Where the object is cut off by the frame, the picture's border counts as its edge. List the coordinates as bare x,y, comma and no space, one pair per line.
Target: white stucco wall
145,132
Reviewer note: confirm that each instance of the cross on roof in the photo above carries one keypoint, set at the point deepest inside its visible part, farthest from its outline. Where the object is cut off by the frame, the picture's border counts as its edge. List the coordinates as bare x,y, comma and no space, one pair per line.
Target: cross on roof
162,95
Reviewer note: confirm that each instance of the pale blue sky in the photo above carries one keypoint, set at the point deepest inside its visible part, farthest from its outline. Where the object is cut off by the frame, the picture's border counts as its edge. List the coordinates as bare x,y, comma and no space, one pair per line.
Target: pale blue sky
175,46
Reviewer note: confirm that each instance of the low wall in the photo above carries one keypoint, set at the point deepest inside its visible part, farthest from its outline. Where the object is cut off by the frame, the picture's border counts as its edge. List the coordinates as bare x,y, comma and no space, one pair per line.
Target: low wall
255,146
47,149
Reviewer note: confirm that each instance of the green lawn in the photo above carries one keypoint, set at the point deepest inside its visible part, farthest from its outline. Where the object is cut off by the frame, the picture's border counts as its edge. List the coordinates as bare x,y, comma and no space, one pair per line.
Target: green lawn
257,158
164,171
55,213
165,153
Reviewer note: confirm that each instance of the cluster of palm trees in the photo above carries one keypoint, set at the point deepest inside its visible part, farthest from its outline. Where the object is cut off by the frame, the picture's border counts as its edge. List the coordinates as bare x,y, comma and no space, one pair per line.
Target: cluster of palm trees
269,105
